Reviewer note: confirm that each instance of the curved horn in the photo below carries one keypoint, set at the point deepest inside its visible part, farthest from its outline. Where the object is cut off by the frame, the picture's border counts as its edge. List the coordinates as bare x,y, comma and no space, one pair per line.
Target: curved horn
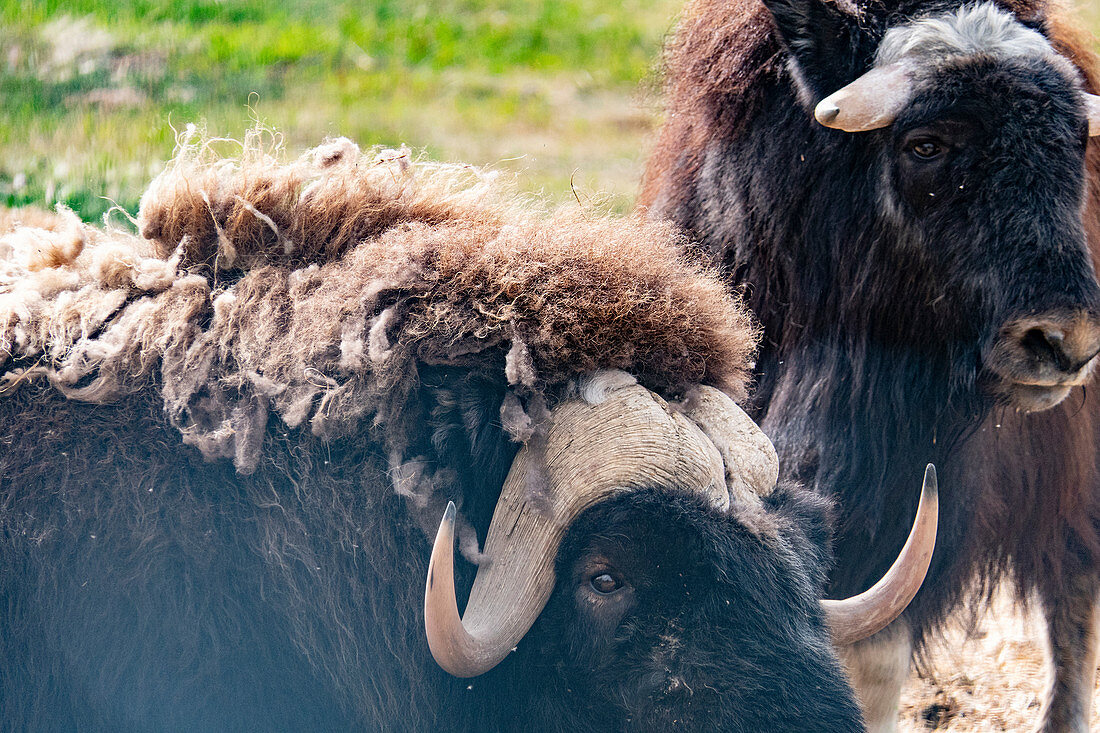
451,644
860,616
868,103
1092,111
630,440
752,466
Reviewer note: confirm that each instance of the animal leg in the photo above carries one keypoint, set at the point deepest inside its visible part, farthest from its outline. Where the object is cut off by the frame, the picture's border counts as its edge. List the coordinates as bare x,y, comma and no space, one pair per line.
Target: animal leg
1073,625
878,667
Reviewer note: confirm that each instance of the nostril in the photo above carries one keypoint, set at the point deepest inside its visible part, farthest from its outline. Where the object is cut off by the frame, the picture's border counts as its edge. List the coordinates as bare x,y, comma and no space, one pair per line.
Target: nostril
1048,345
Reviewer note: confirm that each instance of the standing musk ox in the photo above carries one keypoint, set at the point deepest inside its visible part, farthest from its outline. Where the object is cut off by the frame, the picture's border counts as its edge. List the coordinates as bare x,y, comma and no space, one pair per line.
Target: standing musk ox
919,257
227,443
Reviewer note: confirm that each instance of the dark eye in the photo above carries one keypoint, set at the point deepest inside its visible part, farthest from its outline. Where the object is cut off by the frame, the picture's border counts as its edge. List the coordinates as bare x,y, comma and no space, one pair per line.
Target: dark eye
926,149
605,583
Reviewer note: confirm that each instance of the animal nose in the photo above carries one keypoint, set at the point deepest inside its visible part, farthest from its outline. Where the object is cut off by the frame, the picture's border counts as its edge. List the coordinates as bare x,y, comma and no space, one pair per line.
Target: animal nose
1067,345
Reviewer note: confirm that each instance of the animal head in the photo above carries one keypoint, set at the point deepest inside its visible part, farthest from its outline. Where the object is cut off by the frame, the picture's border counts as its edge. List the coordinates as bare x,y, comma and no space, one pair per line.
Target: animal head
670,615
972,130
640,544
383,335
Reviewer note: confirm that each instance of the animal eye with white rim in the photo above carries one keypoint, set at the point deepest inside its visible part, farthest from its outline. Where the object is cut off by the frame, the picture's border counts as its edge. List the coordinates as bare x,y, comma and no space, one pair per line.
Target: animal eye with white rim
605,583
926,149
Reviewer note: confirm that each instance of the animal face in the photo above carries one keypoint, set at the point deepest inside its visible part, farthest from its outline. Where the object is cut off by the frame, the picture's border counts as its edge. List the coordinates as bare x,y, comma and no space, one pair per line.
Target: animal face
642,569
991,133
981,129
986,173
668,613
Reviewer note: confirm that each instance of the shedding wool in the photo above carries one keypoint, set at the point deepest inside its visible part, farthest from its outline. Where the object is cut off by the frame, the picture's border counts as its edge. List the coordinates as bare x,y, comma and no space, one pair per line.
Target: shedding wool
312,289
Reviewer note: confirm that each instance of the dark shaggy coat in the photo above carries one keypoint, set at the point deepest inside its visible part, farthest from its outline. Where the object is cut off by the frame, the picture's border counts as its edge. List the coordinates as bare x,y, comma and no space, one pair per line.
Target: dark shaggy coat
359,337
861,378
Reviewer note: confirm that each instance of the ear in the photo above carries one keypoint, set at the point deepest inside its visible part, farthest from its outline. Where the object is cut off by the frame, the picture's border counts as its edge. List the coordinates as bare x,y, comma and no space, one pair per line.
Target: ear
828,47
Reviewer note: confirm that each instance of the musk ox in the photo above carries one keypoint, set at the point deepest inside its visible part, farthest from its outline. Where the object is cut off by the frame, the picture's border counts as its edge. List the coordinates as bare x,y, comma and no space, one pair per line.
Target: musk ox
227,444
919,257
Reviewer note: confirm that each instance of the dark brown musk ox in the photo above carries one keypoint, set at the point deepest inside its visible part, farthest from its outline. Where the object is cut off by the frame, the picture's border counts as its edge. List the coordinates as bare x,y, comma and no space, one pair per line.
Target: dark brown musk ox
227,444
922,259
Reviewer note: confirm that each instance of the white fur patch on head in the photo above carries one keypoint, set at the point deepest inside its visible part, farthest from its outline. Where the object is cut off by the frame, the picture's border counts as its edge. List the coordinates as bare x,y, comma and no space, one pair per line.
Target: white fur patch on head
982,29
518,365
353,347
595,387
467,542
32,249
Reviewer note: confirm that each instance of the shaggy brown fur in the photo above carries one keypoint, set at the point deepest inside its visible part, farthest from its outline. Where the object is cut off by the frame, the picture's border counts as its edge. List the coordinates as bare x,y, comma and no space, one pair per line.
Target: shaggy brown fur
28,216
311,289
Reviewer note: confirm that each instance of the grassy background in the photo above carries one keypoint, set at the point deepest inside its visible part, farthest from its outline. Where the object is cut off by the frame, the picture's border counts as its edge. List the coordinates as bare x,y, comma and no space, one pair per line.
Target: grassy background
560,90
556,89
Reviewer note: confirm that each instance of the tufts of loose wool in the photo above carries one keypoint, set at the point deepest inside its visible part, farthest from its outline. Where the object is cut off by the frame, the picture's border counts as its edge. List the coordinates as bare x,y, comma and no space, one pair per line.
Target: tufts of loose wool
311,290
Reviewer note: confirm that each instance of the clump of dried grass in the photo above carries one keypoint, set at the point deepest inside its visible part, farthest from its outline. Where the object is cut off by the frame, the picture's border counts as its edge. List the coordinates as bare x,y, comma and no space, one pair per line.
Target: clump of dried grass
984,676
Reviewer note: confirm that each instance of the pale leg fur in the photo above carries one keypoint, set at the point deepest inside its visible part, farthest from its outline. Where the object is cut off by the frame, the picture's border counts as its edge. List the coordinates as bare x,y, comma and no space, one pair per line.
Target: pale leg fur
878,667
1073,626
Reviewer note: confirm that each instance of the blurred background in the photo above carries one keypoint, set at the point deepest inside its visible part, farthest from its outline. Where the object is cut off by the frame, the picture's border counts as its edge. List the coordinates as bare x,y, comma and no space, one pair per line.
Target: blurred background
559,91
90,90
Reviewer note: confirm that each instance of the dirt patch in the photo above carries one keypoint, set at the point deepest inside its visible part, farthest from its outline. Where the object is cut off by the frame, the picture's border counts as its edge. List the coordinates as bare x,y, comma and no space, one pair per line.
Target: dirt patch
985,676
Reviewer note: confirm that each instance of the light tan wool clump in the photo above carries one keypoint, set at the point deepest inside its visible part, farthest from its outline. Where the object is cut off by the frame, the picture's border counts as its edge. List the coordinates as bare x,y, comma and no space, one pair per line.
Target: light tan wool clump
312,289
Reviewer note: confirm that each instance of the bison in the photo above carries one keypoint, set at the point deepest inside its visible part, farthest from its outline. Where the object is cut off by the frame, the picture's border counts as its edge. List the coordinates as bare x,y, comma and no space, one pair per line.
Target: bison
907,194
227,443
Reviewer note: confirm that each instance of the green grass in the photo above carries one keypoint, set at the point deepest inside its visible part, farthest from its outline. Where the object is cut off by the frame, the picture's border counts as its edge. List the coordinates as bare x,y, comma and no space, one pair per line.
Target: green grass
548,88
1090,13
560,91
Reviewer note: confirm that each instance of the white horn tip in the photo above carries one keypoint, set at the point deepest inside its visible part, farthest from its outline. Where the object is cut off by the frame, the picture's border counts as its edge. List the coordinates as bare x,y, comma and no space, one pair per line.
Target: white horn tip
458,651
826,112
931,483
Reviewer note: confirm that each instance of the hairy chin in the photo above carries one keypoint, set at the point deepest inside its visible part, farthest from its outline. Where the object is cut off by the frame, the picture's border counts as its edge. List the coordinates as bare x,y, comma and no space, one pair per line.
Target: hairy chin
1033,398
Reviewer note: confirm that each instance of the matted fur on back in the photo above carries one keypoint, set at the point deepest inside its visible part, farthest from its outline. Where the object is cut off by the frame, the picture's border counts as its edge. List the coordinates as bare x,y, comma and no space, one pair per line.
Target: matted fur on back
312,289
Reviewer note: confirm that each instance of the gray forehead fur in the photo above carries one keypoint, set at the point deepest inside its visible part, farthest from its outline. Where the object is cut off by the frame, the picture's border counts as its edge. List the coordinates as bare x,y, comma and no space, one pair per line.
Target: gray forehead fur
972,30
